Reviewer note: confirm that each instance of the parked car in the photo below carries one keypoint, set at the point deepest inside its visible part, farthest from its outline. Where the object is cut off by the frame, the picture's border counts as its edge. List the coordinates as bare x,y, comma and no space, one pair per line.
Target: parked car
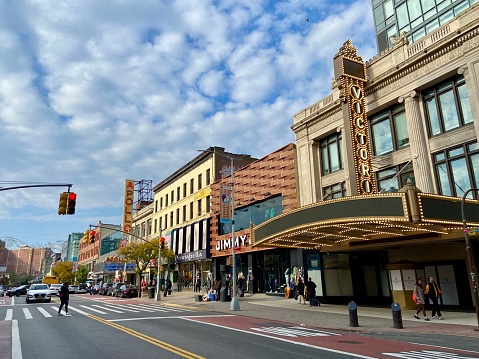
82,288
2,291
94,289
18,291
104,288
38,293
114,287
54,289
127,290
72,288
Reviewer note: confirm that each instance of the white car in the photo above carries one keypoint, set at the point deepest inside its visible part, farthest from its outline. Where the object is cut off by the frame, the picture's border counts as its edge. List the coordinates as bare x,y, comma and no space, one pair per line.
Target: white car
54,289
38,293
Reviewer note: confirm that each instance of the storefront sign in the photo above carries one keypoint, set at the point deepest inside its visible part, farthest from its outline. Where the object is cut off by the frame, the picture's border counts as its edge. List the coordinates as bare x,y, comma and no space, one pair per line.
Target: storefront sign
226,243
117,266
191,256
128,205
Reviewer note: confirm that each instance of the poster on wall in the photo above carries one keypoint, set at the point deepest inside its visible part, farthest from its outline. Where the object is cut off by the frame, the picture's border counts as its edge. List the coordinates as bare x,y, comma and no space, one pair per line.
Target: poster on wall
409,278
396,280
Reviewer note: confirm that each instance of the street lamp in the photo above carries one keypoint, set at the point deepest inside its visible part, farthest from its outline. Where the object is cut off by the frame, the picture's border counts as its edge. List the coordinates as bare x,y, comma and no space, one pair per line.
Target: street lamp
470,255
234,305
158,293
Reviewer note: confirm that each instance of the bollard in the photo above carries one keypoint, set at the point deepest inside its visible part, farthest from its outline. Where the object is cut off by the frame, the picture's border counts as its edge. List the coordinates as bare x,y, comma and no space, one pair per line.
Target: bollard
397,317
353,314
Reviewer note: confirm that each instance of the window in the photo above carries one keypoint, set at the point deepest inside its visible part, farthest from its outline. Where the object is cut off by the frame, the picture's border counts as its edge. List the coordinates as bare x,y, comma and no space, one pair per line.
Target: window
172,196
149,227
143,229
184,190
331,153
334,191
184,213
200,180
177,216
457,169
207,204
200,209
177,194
166,220
191,210
393,178
156,206
171,219
161,203
208,177
389,130
192,186
447,106
161,223
166,201
155,225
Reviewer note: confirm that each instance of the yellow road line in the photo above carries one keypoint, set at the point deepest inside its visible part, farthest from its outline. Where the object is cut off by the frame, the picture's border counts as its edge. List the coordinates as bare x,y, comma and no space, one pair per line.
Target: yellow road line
154,341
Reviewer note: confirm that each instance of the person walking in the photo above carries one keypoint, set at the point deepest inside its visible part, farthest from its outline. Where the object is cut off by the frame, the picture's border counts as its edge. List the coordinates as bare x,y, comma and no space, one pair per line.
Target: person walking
419,295
434,292
217,288
198,284
167,287
64,294
311,288
300,291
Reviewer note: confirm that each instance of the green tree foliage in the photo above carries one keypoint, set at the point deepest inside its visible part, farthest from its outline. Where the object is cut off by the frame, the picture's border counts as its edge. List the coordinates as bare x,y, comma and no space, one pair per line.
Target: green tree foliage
81,273
141,252
64,270
17,279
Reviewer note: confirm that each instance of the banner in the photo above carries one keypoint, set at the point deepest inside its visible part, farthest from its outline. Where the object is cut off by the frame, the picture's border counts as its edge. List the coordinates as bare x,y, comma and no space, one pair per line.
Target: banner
225,204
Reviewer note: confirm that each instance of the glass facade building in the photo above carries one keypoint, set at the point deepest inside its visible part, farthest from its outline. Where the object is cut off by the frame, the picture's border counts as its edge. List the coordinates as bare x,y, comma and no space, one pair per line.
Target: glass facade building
416,17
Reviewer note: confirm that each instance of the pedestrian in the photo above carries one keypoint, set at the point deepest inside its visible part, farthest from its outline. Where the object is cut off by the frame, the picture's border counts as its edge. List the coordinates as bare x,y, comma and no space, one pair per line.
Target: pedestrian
300,291
434,292
311,288
217,288
198,283
418,296
167,287
64,295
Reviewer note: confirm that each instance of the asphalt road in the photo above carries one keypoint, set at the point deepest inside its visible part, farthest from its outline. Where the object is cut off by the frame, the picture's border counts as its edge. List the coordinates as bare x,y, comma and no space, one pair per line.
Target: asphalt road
106,327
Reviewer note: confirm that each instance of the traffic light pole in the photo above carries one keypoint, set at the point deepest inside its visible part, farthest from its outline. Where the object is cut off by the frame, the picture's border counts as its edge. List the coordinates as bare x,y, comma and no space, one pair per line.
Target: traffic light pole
69,185
158,293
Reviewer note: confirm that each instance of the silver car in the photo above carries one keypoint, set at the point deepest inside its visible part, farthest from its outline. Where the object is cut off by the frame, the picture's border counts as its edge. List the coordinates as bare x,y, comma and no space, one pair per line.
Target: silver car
2,292
38,293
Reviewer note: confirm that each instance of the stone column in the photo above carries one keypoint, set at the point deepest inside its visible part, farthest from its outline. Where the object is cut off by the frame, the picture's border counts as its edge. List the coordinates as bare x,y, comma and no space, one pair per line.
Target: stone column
418,144
472,94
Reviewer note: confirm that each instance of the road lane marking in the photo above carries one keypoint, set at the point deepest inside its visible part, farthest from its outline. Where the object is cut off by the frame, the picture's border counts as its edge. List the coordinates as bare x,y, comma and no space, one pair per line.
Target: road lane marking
93,309
106,308
140,308
44,312
284,340
9,315
74,309
295,332
173,317
27,313
426,354
122,307
164,345
16,343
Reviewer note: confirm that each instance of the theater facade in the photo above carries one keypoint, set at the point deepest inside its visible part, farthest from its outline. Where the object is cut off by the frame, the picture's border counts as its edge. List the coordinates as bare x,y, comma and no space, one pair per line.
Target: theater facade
383,162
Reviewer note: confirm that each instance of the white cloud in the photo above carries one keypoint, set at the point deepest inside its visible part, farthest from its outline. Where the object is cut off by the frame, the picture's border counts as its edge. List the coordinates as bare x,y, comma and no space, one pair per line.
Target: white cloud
93,94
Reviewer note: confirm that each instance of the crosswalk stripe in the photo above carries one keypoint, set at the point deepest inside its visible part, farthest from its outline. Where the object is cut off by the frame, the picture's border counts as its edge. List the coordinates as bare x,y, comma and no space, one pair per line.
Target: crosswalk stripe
27,313
122,307
9,315
150,307
93,309
44,312
139,307
106,308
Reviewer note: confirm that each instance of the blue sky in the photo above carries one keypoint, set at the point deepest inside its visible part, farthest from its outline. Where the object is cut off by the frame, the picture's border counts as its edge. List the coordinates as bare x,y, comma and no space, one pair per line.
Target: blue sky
94,92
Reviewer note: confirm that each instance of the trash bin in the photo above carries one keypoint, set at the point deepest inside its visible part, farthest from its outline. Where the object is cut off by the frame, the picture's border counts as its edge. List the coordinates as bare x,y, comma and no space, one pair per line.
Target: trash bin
151,292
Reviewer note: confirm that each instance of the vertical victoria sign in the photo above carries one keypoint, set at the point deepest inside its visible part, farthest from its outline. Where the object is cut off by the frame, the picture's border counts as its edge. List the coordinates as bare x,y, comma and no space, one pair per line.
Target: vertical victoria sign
128,205
350,74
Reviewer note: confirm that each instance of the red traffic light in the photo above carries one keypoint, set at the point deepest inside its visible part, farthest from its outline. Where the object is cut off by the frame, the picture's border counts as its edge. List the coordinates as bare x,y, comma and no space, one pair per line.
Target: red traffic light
72,196
162,239
162,242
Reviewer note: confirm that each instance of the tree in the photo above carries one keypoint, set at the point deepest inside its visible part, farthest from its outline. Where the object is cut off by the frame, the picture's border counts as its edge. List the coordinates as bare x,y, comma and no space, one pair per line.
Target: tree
81,273
141,252
64,271
17,279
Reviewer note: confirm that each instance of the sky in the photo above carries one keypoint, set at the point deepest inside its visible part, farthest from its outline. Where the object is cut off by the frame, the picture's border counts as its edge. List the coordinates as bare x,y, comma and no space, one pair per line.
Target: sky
96,92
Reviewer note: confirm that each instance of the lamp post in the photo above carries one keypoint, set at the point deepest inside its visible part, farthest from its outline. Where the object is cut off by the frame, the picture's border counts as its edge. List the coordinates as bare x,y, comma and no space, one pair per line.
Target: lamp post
158,293
470,255
234,305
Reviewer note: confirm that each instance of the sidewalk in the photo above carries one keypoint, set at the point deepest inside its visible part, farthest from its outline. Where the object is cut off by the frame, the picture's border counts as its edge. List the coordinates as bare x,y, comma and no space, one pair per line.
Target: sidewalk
330,316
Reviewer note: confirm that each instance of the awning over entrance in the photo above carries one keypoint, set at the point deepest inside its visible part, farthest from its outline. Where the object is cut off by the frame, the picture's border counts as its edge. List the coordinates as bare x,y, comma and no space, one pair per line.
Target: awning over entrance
369,219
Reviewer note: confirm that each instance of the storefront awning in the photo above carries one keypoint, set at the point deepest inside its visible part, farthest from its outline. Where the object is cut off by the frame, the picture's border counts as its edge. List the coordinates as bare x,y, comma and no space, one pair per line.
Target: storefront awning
357,220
